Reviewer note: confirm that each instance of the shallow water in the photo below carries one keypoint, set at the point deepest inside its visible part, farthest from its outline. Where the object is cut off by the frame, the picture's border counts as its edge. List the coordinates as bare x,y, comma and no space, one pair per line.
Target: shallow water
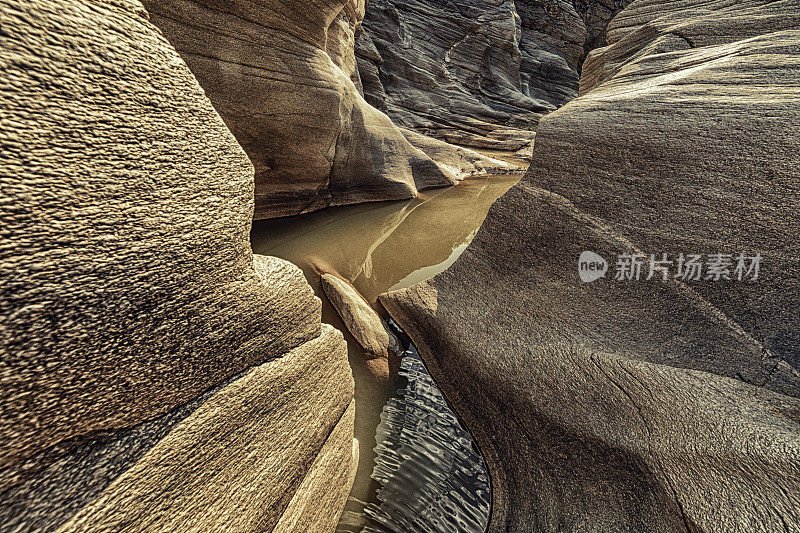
431,474
379,247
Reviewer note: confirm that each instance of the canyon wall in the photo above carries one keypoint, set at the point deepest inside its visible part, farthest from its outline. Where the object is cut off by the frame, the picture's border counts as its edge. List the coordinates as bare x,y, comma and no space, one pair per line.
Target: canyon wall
477,72
155,374
283,77
473,72
596,15
649,405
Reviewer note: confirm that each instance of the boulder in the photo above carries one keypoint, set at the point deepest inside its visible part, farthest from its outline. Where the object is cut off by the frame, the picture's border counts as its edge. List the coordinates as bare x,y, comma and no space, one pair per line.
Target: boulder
360,318
152,370
650,405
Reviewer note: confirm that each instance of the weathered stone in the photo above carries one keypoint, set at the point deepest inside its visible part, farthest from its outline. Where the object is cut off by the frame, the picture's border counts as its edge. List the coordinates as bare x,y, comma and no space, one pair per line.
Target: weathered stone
283,77
473,72
315,508
360,318
651,405
128,290
235,462
458,162
596,15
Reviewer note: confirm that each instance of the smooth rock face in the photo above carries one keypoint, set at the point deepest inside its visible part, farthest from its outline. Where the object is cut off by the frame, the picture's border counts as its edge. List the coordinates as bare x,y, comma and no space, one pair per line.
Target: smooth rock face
473,72
649,405
282,75
128,289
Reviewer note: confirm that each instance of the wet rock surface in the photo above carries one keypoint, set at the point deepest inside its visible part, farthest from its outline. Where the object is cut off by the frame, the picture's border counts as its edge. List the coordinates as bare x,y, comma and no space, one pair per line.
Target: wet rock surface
153,370
650,405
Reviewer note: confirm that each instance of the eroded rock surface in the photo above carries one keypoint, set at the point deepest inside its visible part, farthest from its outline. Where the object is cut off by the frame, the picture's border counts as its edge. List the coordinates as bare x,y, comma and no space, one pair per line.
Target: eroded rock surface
153,371
651,405
381,347
596,15
474,72
283,76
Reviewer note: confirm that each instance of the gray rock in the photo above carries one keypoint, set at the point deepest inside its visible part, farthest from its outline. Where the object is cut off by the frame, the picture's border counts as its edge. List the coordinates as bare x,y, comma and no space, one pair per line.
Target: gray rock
128,291
651,405
473,72
596,15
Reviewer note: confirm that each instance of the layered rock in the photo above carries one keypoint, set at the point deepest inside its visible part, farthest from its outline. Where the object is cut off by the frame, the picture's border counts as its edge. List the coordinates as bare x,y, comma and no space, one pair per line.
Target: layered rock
154,373
473,72
283,77
596,15
640,405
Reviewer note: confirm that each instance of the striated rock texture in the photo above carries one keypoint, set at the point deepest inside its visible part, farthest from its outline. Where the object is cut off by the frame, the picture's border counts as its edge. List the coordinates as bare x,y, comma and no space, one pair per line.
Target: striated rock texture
283,77
651,405
596,15
154,374
474,72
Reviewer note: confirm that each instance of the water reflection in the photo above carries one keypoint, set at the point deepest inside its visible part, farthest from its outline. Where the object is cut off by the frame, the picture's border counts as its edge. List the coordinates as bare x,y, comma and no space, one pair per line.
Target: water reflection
378,247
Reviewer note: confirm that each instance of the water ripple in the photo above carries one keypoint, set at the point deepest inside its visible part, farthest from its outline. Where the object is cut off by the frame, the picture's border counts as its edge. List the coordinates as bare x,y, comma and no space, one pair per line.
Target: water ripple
432,477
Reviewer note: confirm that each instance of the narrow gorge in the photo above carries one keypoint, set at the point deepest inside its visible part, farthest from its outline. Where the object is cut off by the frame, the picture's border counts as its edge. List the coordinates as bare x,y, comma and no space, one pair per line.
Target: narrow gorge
383,266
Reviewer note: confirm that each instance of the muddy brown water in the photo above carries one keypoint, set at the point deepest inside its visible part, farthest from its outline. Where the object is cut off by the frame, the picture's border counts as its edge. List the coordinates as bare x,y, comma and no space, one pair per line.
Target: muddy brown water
380,247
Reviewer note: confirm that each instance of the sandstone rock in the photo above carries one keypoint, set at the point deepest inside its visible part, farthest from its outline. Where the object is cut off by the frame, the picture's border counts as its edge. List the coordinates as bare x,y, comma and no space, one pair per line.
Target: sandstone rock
128,289
470,72
314,508
231,465
596,15
360,318
457,162
650,405
283,77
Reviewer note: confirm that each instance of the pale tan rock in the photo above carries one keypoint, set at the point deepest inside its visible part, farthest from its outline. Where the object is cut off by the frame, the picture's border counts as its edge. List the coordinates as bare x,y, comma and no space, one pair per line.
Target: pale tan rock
360,318
458,162
283,77
230,465
315,508
640,406
154,373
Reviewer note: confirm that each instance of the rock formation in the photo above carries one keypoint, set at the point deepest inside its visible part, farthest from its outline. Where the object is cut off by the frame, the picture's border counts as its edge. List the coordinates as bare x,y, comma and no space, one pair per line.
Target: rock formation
154,373
359,317
283,77
379,344
640,405
596,15
473,72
